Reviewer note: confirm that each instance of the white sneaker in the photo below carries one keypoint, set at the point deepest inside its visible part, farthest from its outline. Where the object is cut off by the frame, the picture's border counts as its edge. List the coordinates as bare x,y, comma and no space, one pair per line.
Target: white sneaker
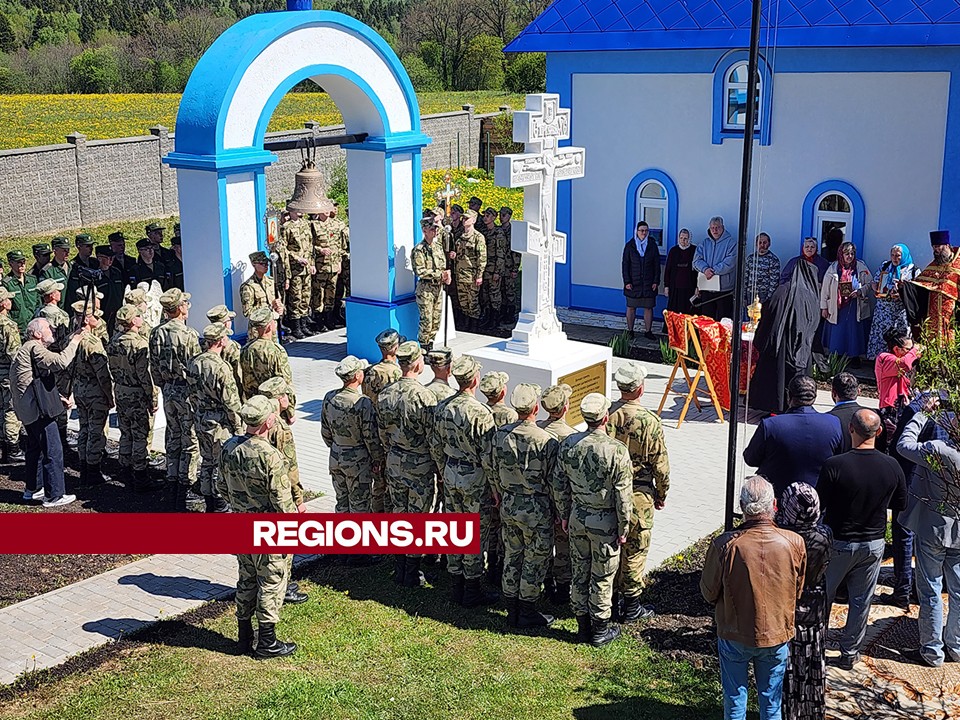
30,496
63,500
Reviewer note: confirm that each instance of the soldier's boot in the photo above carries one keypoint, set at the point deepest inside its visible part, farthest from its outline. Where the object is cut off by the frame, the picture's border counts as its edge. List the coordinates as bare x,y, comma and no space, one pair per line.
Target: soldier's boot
334,319
12,453
457,589
293,585
293,596
561,593
244,636
476,595
295,330
216,504
268,646
633,610
413,578
143,483
528,617
512,611
603,633
94,476
399,569
584,630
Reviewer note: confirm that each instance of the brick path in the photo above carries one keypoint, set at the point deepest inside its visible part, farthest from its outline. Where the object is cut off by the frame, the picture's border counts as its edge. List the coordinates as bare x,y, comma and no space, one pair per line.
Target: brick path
44,631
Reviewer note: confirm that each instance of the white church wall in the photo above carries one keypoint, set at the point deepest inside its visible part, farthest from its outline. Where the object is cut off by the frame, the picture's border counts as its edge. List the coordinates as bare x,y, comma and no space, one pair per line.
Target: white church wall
881,132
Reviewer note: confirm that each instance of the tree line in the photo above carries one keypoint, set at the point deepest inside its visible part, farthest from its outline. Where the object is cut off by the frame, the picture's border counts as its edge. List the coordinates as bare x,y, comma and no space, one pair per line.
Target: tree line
145,46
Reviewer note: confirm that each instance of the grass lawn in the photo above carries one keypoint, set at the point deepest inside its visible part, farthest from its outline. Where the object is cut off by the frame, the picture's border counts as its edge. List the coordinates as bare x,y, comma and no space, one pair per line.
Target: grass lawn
368,650
28,120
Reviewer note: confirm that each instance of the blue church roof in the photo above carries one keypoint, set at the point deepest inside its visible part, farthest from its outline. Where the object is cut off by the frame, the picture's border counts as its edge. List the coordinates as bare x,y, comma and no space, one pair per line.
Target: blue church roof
577,25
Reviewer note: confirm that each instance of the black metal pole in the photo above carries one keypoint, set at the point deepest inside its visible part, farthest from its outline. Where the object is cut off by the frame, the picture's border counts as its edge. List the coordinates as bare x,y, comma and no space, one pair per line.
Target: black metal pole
745,176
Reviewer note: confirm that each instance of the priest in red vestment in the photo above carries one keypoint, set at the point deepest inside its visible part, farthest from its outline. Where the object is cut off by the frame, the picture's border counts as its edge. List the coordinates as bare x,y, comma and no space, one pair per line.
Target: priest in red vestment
934,292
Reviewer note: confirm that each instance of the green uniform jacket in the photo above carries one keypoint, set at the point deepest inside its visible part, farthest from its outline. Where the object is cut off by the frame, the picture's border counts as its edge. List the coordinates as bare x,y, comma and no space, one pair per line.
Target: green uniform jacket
24,299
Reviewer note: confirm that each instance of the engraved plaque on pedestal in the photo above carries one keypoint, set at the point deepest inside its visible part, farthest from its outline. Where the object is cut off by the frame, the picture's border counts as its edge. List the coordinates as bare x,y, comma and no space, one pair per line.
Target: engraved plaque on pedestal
592,379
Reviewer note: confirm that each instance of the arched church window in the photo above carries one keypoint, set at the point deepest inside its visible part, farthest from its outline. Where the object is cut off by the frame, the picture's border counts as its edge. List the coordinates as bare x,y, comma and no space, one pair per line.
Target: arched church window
834,213
730,92
735,97
652,207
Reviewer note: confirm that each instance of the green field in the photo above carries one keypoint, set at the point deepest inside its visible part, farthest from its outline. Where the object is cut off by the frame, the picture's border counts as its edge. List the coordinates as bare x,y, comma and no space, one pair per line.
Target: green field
28,120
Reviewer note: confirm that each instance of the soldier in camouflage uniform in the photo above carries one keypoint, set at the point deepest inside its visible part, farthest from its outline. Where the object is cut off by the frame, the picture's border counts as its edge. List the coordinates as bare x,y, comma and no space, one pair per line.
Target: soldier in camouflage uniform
439,361
138,298
430,267
470,254
93,393
261,359
253,479
343,280
511,281
595,480
405,422
23,286
231,351
216,402
298,239
9,344
524,457
328,246
348,425
375,379
172,346
556,400
493,385
640,430
59,268
259,290
491,296
461,444
129,358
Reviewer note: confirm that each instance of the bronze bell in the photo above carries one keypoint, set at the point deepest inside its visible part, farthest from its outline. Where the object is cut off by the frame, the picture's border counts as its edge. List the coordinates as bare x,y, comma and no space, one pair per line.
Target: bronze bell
308,194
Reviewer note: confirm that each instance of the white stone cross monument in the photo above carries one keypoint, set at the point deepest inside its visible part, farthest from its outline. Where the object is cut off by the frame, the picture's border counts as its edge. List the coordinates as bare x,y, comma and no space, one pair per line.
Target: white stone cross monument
539,351
540,127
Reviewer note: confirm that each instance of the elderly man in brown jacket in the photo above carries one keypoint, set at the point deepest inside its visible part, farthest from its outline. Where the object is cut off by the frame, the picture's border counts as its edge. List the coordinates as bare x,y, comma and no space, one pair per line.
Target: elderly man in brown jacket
754,577
37,402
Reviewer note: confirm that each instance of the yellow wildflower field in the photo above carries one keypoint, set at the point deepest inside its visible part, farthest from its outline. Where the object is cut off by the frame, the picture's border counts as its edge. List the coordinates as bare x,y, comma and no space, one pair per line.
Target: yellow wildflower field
472,182
29,120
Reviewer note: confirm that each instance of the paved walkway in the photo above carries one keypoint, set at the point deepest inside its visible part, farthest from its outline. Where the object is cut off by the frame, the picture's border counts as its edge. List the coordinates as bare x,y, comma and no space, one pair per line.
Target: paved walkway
44,631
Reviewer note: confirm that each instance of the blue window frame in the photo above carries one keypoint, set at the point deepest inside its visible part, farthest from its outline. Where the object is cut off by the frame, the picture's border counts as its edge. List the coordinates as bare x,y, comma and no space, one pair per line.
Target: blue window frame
834,212
730,98
652,196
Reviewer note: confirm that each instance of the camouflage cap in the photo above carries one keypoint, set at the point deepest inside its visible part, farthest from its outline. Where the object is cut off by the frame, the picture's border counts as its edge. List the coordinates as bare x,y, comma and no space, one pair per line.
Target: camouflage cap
174,298
60,243
215,331
388,338
127,313
260,317
524,397
42,249
489,211
630,376
273,388
464,368
440,357
409,352
82,307
428,222
82,293
116,237
45,287
350,366
144,243
259,257
5,294
83,239
103,251
470,214
493,383
16,256
594,406
555,397
256,410
219,313
137,296
154,226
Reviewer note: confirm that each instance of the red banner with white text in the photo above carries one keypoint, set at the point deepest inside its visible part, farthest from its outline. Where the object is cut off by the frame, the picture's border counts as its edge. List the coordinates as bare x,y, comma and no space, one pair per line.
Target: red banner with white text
239,533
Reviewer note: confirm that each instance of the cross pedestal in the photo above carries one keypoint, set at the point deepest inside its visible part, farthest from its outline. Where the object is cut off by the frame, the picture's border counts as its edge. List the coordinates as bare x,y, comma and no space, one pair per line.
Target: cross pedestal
539,351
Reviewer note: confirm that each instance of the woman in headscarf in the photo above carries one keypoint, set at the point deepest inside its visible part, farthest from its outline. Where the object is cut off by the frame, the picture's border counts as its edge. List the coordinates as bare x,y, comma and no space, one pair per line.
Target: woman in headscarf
845,303
784,338
810,254
804,684
679,277
889,312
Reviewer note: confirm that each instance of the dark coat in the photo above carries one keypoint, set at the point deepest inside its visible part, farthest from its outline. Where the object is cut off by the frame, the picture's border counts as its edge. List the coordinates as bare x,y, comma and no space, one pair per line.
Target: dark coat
641,272
844,412
792,447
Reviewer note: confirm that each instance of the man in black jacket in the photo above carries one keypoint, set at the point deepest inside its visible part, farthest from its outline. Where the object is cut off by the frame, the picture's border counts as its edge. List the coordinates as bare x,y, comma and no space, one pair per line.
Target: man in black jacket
845,391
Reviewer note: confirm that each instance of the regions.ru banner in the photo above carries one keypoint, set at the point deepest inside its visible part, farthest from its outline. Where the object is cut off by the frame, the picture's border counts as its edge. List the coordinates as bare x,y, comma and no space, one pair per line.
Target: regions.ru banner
239,533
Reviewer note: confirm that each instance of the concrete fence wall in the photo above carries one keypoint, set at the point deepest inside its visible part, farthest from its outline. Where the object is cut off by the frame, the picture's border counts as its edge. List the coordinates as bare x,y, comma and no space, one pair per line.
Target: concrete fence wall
91,182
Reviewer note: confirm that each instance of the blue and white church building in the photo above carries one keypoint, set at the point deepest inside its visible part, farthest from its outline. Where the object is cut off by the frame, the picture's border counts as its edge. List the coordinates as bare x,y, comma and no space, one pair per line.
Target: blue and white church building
858,130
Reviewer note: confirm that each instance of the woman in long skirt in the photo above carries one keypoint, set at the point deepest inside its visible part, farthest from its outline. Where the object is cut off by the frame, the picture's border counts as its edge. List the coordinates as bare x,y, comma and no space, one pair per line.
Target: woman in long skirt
845,302
889,312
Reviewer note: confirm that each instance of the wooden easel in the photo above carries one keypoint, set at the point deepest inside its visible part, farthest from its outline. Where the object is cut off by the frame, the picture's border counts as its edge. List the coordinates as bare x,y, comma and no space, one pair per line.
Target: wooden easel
697,362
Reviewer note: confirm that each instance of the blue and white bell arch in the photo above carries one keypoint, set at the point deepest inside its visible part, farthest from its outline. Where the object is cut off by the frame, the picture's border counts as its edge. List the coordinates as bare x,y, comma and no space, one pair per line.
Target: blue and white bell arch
220,159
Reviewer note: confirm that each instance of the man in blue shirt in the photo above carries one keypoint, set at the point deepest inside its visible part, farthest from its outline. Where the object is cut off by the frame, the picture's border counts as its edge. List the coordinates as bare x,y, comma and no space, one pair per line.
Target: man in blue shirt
717,255
792,447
